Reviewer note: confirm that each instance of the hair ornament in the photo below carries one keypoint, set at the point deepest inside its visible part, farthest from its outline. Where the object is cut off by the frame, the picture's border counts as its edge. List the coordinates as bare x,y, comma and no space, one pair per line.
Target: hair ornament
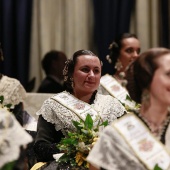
113,45
108,59
65,70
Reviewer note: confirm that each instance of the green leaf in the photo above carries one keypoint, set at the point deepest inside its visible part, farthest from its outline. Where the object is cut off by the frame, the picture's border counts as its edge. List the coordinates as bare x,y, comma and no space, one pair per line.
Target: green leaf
69,141
8,105
157,167
8,166
88,122
1,99
128,98
77,125
105,123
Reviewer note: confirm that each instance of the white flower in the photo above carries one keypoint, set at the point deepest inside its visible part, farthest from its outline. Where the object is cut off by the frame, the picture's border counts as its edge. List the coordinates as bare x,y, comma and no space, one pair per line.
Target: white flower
81,145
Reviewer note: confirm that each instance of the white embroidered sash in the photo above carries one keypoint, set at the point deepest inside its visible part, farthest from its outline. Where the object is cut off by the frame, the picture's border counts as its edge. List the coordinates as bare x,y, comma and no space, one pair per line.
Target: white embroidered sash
80,108
147,148
116,89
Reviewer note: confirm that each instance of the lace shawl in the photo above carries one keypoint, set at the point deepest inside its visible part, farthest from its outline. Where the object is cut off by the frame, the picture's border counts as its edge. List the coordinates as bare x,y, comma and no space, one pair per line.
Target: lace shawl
111,152
108,107
12,137
12,90
102,90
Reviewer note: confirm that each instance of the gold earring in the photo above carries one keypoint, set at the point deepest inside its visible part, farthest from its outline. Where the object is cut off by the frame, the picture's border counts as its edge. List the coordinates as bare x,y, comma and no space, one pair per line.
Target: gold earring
118,65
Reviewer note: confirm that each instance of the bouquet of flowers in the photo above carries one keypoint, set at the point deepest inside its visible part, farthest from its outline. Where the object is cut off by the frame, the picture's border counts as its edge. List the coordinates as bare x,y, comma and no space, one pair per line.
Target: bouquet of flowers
77,145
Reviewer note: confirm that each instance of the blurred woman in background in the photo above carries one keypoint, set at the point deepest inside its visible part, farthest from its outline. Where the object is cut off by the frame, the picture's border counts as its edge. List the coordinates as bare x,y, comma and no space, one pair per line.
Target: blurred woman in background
123,51
140,139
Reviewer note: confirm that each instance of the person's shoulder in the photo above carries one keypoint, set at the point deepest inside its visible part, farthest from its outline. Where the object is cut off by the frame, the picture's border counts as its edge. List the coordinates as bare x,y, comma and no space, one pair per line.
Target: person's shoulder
12,83
7,79
12,90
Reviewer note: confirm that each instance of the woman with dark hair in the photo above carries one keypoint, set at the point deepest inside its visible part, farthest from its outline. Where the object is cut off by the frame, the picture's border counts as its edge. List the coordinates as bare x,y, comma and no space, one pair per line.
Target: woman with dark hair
81,77
140,139
123,51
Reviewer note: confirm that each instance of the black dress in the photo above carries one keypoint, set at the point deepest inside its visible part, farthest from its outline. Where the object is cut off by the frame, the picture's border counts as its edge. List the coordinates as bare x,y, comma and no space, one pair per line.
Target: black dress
49,137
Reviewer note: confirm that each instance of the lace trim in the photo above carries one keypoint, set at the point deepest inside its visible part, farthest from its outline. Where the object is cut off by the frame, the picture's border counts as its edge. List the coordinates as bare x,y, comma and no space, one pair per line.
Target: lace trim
12,90
12,137
108,107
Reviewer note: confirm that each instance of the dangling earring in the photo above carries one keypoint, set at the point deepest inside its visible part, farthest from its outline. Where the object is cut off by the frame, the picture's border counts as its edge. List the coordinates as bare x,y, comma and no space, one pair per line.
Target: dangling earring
108,58
65,70
118,65
72,83
122,78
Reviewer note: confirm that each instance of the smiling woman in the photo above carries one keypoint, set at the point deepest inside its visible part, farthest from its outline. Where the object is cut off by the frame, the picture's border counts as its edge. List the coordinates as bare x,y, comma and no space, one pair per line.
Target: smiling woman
123,51
86,75
82,76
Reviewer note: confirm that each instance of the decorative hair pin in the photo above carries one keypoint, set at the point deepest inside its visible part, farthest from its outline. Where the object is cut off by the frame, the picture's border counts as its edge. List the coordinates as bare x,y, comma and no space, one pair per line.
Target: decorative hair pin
108,59
65,70
113,44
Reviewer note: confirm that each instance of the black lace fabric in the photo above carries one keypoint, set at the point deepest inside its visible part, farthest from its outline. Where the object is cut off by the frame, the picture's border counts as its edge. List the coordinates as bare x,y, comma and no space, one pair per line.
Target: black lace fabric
45,143
44,152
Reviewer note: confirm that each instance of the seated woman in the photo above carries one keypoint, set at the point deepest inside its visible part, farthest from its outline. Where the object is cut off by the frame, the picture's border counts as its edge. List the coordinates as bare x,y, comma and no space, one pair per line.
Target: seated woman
82,76
139,140
123,50
14,94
